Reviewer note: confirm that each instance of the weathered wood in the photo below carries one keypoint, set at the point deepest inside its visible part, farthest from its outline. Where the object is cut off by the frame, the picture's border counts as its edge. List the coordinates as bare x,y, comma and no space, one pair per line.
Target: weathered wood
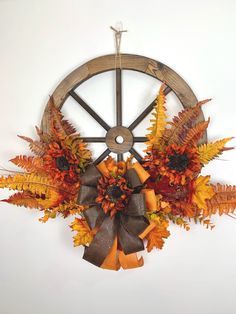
102,64
90,110
140,139
102,156
137,63
94,139
111,140
119,157
135,154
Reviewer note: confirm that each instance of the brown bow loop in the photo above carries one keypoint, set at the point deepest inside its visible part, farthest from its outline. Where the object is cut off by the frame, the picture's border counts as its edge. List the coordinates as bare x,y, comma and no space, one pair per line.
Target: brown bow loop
91,176
127,224
102,242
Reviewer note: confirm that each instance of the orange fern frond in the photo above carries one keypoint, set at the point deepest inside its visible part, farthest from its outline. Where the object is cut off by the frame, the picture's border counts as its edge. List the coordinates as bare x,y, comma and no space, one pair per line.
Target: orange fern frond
195,133
59,125
223,202
29,200
30,164
25,199
36,147
181,124
44,137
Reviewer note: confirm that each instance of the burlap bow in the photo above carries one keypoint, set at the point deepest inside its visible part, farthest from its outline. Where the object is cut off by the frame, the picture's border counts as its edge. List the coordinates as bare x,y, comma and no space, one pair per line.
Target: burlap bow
126,225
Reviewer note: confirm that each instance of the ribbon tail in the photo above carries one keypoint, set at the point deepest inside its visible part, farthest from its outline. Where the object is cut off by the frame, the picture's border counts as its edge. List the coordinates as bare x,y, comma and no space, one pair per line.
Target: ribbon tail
94,216
129,243
102,242
111,261
130,260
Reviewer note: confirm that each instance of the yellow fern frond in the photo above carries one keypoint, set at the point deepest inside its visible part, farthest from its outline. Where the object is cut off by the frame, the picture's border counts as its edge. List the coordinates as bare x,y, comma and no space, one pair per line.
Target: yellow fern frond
209,151
159,121
33,183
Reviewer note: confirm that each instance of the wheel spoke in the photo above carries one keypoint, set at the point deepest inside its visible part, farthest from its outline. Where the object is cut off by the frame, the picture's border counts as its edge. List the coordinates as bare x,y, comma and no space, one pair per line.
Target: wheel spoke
136,154
119,157
94,139
140,139
89,110
102,156
118,98
146,111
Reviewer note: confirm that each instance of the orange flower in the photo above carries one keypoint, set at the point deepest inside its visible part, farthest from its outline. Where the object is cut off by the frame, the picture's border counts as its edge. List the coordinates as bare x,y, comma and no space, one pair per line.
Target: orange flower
61,166
178,163
113,194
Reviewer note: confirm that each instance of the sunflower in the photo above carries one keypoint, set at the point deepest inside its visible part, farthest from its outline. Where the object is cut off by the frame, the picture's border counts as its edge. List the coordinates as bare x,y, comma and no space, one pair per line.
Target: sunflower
61,166
178,163
113,194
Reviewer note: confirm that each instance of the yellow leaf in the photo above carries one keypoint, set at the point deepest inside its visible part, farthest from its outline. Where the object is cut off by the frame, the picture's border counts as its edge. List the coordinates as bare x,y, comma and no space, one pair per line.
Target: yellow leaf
209,151
159,122
84,235
155,238
202,191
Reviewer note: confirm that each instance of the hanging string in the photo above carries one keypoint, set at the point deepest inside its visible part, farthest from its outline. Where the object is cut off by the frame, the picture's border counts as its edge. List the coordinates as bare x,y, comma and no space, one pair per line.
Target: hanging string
118,34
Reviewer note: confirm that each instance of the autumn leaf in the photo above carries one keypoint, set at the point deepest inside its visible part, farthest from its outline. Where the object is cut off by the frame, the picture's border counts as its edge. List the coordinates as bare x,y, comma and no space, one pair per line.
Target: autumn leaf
155,238
202,191
84,235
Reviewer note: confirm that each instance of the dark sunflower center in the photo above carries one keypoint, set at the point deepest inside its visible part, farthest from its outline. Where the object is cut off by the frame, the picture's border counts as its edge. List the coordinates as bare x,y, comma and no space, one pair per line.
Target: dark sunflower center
114,192
178,162
62,163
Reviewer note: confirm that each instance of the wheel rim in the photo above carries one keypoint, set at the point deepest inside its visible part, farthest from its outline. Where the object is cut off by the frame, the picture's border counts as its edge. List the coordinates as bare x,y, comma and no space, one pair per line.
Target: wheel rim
102,64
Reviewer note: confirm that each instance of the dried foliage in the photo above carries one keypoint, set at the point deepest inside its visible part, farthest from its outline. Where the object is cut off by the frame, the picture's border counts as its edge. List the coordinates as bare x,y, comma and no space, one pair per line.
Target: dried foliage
51,178
84,235
209,151
158,124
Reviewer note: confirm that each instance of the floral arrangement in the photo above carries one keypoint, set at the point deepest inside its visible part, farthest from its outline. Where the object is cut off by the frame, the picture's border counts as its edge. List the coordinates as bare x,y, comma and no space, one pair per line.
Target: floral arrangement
120,207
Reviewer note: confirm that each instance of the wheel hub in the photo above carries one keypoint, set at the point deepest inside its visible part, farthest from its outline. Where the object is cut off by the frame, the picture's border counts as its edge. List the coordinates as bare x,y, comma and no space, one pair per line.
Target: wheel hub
119,139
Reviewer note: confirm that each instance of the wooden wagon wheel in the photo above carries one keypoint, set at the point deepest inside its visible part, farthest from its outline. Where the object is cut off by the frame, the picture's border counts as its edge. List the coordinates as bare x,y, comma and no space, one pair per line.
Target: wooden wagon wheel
102,64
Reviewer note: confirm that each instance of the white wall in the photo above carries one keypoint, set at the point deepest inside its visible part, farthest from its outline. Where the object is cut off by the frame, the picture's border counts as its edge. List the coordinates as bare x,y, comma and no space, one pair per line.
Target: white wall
40,43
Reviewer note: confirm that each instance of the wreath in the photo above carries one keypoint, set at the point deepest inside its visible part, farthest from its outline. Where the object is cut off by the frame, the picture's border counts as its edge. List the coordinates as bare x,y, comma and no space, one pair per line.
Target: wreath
122,207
